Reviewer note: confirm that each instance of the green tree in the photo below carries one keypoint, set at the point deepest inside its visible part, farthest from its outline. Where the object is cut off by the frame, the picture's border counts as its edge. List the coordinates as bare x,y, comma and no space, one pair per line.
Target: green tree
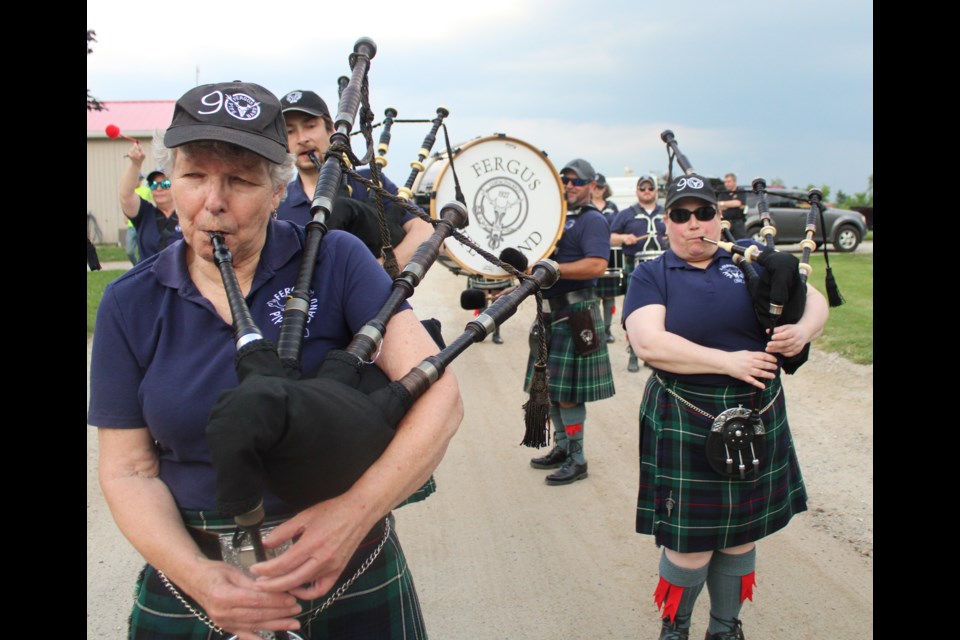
92,103
859,199
823,188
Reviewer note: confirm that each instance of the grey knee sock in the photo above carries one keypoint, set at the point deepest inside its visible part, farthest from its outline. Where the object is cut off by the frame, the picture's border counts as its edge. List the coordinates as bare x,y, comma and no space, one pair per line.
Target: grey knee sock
573,419
724,585
692,582
559,432
608,305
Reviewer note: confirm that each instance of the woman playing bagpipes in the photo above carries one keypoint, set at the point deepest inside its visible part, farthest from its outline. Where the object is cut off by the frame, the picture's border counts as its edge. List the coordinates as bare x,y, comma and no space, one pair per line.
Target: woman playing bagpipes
163,353
717,466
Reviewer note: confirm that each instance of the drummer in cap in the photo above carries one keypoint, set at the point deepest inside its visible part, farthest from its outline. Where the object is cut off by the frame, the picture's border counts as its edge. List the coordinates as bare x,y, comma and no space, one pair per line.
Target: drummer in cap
578,366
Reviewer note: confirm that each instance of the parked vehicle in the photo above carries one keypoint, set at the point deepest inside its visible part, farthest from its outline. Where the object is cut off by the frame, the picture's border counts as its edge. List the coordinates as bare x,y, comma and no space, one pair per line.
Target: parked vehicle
845,228
867,213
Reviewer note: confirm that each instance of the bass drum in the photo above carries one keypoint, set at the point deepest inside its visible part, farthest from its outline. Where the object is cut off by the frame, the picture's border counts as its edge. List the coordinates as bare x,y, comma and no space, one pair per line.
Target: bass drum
513,195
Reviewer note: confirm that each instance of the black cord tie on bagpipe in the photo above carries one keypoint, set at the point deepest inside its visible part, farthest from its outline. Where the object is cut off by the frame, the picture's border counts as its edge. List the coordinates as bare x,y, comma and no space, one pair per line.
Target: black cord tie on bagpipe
833,292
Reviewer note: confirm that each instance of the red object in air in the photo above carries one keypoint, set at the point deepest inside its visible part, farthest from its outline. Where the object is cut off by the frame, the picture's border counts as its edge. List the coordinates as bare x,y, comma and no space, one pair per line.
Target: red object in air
113,132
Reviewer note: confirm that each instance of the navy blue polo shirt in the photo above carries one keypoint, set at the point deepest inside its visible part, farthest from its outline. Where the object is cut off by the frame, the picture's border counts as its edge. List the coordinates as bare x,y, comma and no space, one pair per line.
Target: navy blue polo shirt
296,206
161,354
586,234
634,219
711,307
150,237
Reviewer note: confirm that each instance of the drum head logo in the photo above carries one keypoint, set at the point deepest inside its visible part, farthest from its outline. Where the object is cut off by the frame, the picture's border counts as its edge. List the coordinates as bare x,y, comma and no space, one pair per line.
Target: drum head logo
514,198
500,208
242,107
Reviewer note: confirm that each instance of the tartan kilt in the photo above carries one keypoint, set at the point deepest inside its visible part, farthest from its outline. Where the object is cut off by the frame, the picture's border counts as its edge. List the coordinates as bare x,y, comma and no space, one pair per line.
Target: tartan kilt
711,512
572,378
610,287
381,603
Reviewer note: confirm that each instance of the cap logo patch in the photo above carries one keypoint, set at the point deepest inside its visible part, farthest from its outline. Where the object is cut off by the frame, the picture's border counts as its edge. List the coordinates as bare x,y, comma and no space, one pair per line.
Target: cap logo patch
239,105
293,97
693,183
242,107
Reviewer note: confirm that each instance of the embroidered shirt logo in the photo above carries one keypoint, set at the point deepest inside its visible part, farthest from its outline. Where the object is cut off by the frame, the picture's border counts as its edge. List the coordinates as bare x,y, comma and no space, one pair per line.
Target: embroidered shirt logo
293,97
733,272
242,107
279,300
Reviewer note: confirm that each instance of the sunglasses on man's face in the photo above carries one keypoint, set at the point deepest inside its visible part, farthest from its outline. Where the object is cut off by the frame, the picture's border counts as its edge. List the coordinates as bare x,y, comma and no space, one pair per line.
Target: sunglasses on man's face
159,185
577,182
645,189
702,214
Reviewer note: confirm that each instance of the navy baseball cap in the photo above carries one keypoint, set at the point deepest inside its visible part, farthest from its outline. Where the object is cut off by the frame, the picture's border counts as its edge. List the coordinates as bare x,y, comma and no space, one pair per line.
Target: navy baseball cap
582,168
242,113
305,101
690,186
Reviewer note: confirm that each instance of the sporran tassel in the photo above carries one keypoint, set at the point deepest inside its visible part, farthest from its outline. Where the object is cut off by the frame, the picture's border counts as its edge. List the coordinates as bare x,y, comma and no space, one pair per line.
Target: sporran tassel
537,408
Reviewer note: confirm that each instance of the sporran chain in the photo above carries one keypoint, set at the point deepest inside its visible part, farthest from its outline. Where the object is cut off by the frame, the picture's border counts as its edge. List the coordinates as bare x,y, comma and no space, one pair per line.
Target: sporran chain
329,601
701,411
176,594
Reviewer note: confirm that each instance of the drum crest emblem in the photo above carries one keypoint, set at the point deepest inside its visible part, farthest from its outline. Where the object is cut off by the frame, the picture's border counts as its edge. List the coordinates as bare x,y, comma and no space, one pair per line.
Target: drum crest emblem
500,208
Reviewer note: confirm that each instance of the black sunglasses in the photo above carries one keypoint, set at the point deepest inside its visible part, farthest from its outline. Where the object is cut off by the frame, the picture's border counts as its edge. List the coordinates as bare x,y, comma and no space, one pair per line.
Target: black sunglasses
577,182
702,214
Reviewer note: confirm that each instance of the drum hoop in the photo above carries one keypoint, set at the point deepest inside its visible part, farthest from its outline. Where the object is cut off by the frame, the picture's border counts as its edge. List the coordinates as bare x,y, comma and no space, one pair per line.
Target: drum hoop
457,151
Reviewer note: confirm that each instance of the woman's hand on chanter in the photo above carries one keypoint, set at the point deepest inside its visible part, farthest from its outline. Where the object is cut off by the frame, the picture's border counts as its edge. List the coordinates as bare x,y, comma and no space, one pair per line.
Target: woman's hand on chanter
235,602
788,340
330,533
751,366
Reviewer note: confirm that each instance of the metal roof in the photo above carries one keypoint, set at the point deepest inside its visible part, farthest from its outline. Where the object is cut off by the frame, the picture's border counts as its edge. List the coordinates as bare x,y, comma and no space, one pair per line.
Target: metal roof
135,118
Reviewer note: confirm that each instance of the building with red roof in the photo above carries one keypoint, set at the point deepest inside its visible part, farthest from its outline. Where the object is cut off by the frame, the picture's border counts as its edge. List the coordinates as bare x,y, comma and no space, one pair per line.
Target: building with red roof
106,157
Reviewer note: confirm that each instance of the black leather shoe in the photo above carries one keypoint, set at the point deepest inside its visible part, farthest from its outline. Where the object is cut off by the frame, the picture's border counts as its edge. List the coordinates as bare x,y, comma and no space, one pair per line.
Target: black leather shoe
569,472
735,631
633,365
497,339
673,631
610,339
552,460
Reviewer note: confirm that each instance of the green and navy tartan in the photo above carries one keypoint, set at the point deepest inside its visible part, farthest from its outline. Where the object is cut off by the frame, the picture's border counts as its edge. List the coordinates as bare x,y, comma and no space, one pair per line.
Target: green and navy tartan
573,378
609,287
382,603
708,511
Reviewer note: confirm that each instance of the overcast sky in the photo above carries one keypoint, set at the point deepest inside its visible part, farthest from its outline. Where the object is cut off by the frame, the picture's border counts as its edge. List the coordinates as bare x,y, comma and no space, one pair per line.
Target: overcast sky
770,88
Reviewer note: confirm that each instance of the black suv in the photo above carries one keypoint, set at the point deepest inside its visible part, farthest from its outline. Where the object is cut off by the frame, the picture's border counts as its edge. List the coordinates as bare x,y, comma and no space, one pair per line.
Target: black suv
845,228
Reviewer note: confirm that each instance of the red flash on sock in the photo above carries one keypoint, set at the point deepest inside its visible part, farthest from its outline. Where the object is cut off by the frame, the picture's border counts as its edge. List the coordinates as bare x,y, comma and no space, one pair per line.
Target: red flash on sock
476,312
573,429
747,583
669,594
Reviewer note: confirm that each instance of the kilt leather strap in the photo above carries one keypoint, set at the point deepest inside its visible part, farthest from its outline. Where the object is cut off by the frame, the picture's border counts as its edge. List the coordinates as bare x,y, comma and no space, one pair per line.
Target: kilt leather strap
554,304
